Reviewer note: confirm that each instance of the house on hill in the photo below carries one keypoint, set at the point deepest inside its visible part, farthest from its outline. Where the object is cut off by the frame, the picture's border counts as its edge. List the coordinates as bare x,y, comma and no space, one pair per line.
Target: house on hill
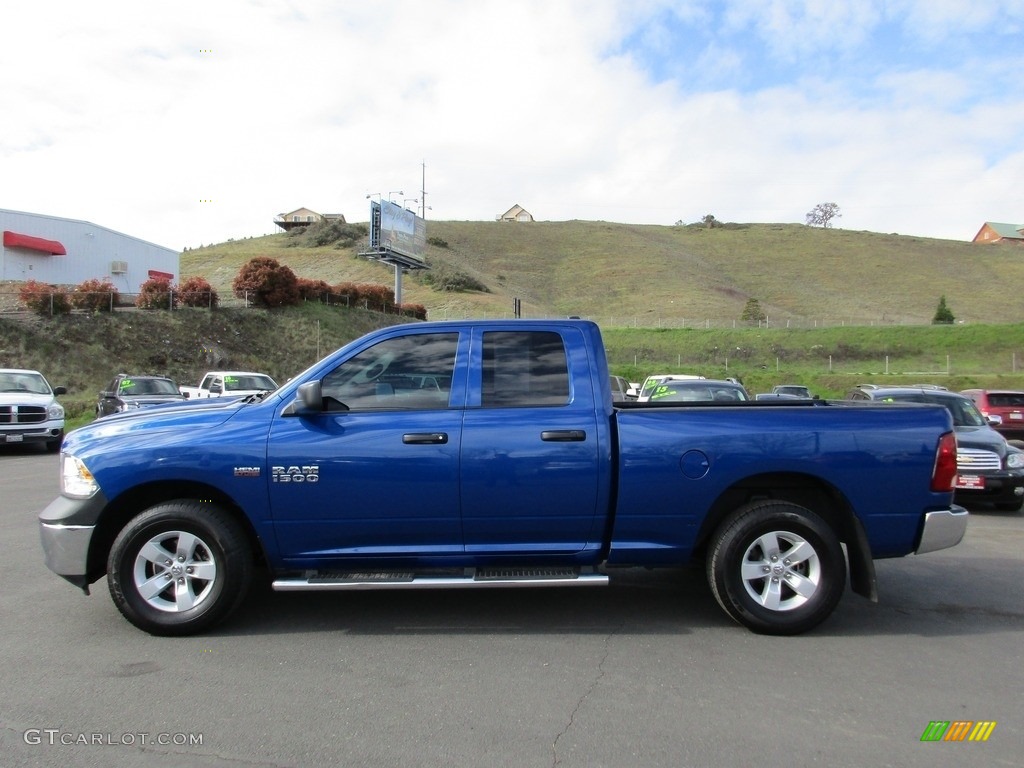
994,232
302,217
515,213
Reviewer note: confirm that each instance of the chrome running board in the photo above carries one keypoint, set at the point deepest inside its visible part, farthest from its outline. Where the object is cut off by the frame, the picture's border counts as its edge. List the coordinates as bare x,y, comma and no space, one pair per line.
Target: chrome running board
442,579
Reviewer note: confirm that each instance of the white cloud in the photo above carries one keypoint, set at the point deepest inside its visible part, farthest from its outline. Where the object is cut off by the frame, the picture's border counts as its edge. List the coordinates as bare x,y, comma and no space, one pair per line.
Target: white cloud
132,117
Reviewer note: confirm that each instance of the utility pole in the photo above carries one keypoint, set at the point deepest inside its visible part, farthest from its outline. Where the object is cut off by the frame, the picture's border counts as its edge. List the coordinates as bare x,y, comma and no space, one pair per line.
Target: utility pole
423,191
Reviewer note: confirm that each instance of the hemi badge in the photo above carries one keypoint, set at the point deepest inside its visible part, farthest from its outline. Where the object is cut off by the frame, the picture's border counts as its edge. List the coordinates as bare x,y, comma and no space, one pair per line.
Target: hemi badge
247,471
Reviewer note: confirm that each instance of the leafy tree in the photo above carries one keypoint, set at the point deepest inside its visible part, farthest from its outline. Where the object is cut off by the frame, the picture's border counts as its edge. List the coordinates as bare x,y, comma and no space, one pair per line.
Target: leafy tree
44,299
97,295
266,283
157,293
710,221
197,292
822,214
943,314
752,312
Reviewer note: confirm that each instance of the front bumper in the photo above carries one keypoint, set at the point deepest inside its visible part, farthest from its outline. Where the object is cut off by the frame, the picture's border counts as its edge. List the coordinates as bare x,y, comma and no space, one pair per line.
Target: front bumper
994,487
35,433
943,529
66,528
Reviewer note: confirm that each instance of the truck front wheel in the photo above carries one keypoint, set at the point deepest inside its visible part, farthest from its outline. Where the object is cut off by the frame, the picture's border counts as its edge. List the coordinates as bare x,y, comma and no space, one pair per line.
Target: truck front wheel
179,567
776,568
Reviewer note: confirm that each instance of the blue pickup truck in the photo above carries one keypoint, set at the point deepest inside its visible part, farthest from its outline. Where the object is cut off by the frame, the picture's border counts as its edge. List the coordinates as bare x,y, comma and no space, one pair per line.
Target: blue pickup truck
490,454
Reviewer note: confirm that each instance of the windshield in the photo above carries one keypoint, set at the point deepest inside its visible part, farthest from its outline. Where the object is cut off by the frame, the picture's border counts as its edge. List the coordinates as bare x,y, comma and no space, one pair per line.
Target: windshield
148,387
29,383
963,410
248,381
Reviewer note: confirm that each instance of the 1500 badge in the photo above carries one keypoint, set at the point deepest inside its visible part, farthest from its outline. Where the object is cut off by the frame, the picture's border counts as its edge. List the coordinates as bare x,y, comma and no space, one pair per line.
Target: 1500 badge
303,474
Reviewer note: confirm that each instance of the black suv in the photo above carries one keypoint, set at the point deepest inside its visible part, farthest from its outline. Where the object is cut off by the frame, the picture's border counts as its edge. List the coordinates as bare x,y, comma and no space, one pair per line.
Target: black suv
127,392
988,469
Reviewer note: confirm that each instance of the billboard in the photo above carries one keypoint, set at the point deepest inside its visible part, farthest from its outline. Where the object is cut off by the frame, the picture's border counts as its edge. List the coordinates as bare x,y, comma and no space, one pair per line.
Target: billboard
394,228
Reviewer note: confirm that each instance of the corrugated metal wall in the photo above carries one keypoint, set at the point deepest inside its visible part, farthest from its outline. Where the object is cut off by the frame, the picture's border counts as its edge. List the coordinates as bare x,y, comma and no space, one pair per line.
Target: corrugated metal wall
91,250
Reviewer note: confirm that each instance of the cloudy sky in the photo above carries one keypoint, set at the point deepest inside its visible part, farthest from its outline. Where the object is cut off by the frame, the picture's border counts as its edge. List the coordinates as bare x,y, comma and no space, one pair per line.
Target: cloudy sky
188,122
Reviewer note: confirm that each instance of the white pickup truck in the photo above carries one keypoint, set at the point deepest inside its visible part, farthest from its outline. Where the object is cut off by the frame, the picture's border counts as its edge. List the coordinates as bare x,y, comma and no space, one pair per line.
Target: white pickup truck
230,384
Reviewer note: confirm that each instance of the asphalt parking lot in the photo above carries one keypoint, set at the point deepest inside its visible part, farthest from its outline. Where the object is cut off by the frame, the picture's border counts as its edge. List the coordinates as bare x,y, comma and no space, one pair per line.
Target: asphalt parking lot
646,672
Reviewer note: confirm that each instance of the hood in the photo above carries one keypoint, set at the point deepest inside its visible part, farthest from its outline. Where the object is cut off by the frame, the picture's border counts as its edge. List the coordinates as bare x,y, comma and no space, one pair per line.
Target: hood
981,437
25,398
142,400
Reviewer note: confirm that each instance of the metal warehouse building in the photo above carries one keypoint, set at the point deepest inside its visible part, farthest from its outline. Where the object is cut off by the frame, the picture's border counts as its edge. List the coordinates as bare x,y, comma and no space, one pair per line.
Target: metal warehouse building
68,252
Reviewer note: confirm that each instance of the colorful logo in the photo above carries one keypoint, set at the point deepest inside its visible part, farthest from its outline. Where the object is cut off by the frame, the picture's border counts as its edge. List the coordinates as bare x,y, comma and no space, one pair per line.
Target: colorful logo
958,730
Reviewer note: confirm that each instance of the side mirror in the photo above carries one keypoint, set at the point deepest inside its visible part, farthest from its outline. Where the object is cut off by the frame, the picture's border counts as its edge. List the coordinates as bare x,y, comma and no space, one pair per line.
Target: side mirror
308,400
216,389
60,390
994,420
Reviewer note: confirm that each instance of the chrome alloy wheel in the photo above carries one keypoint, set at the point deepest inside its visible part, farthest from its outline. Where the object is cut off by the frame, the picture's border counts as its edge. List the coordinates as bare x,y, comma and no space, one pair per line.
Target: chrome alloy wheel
174,571
781,570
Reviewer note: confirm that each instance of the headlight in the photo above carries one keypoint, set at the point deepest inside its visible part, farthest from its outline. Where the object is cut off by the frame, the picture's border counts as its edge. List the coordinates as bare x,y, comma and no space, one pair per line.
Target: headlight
75,478
1014,460
55,411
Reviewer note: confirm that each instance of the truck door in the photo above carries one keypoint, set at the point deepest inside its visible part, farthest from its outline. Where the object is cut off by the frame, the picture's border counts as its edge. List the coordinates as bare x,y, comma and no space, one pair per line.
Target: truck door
532,463
376,473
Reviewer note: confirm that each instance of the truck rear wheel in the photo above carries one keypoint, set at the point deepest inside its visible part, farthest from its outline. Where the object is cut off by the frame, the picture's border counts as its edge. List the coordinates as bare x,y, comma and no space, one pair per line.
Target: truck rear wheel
776,568
179,567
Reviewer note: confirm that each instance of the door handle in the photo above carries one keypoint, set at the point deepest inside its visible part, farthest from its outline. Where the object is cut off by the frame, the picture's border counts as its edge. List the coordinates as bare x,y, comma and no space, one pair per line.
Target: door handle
564,435
425,438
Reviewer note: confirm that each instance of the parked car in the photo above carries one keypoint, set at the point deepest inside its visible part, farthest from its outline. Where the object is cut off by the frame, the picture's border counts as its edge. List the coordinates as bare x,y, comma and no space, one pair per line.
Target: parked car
988,468
1006,404
29,411
126,392
699,391
794,390
662,378
230,384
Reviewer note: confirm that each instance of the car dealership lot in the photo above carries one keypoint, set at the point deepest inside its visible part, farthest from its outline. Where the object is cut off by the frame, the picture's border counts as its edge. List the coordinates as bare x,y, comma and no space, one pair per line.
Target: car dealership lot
647,672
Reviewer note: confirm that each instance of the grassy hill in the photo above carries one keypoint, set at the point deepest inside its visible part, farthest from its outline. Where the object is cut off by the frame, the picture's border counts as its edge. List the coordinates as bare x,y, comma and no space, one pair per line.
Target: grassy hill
671,276
844,307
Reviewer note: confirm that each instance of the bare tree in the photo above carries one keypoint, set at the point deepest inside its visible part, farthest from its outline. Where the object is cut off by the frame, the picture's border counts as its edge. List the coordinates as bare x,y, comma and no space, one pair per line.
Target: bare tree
822,214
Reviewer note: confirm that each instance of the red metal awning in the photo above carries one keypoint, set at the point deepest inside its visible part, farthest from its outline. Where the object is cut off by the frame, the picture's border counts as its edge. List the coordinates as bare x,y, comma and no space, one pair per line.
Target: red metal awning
155,274
17,240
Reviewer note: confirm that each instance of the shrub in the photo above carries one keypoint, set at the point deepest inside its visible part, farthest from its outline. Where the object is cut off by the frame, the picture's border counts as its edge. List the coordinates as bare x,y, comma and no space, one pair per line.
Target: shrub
44,299
157,293
414,310
444,278
197,292
313,290
266,283
95,295
322,233
437,242
378,298
943,314
346,293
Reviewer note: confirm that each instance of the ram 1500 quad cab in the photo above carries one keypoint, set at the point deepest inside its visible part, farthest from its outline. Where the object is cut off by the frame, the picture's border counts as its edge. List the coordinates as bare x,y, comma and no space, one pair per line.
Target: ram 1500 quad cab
490,454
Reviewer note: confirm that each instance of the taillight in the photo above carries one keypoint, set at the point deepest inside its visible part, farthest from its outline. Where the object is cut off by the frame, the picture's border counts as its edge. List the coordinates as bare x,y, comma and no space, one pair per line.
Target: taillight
944,474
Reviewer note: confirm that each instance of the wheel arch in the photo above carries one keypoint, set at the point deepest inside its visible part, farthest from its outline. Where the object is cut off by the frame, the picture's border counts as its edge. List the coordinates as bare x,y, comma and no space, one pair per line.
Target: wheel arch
813,493
142,497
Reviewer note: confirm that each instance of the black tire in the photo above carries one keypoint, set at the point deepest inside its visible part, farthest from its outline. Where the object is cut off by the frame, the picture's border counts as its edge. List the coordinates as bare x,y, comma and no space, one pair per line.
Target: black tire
790,597
52,446
1010,506
205,575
